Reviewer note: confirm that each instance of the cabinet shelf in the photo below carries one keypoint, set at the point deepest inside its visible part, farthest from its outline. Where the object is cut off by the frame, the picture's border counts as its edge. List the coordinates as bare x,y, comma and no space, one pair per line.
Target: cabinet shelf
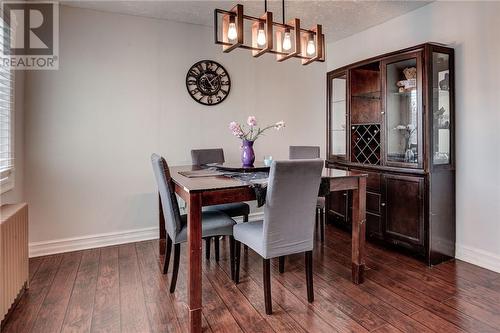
368,95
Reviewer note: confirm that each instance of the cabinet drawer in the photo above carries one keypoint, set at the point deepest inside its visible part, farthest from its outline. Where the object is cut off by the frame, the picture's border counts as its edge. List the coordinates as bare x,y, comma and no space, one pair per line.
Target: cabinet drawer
374,180
373,202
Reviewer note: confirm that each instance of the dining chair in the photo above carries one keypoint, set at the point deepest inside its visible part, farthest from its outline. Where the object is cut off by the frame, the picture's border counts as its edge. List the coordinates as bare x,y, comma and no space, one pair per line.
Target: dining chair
216,156
213,223
311,152
288,225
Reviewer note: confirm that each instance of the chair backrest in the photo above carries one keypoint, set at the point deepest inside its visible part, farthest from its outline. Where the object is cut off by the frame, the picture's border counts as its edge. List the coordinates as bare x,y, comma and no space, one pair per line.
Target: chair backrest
167,194
303,152
207,156
289,212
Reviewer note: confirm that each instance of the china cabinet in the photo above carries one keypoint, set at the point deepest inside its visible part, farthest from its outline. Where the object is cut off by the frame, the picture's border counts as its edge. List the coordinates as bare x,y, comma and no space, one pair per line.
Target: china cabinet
392,117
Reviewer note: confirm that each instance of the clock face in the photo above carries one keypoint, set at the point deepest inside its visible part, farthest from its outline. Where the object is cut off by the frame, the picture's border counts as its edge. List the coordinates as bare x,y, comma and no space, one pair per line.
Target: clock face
208,82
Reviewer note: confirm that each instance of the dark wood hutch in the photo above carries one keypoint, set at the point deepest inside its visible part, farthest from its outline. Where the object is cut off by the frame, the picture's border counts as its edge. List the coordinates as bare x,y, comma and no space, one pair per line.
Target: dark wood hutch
392,116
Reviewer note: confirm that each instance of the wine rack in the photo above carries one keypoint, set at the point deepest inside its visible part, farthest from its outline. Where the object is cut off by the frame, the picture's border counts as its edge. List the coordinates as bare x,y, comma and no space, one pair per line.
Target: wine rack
365,144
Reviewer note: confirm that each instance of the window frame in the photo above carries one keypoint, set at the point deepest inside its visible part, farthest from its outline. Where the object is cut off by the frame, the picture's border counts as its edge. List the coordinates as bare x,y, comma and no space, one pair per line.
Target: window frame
7,176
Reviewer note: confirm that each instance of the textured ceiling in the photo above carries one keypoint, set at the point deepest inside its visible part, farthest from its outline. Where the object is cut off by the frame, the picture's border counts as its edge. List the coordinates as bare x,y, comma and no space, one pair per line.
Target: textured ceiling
339,18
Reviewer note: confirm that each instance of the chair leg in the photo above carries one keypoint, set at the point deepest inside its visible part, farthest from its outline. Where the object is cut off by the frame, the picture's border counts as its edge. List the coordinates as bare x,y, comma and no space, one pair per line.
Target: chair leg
282,264
175,272
245,219
237,255
231,255
266,269
216,245
168,250
309,277
322,224
207,248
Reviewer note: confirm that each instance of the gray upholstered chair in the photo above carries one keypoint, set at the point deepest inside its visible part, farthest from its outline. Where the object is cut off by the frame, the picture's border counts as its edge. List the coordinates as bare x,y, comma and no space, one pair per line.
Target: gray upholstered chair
211,156
214,223
311,152
288,225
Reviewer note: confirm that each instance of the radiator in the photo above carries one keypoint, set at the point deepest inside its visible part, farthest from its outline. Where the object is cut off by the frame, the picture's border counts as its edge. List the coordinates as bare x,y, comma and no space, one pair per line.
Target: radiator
13,255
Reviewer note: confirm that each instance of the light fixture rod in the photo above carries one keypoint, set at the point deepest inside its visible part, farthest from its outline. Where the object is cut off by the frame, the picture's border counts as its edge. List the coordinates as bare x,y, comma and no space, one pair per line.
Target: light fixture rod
283,10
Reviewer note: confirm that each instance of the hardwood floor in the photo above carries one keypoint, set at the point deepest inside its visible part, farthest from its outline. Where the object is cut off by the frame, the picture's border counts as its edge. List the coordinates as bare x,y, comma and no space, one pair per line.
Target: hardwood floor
121,288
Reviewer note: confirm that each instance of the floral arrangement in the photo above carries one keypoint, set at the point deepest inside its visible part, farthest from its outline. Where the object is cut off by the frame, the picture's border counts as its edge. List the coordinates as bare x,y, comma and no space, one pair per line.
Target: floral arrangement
252,133
408,132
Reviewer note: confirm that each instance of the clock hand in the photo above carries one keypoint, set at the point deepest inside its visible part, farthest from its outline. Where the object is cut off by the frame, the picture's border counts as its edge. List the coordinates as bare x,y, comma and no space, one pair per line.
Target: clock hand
215,77
210,83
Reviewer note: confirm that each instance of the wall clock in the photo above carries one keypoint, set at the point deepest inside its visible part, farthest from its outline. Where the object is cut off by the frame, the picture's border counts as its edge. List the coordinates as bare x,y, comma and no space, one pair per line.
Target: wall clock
208,82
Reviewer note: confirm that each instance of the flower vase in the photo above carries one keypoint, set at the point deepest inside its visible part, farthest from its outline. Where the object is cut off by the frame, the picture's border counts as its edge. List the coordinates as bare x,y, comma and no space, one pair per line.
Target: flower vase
247,153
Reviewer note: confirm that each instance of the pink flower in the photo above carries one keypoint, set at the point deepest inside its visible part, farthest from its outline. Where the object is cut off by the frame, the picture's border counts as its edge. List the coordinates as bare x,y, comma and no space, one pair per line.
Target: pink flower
236,129
233,125
252,121
279,125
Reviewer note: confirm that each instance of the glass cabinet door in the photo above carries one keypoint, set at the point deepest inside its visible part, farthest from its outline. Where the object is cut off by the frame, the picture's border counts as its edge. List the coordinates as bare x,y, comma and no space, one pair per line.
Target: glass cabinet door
402,108
338,116
441,108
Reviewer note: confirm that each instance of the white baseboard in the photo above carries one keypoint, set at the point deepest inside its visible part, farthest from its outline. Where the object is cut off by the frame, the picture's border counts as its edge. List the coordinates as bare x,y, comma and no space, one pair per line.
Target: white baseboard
37,249
478,257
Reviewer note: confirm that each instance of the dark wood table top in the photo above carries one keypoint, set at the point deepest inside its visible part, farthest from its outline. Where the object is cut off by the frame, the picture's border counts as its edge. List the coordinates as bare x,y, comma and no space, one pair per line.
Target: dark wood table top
237,167
200,184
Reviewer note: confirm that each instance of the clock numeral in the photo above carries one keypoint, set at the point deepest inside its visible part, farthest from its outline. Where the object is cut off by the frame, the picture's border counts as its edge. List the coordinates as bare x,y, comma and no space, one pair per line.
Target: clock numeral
194,91
194,72
223,91
191,82
224,83
209,100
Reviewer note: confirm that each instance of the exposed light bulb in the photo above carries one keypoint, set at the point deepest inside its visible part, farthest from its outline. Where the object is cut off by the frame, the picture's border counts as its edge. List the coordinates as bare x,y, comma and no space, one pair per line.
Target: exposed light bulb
287,42
232,33
261,35
311,48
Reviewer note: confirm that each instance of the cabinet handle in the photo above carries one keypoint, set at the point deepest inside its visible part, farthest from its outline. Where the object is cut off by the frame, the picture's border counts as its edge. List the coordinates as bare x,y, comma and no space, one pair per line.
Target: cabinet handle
382,112
382,204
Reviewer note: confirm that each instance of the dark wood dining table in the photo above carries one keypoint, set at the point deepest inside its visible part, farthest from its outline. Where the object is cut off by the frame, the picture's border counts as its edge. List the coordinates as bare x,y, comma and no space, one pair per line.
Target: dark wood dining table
205,191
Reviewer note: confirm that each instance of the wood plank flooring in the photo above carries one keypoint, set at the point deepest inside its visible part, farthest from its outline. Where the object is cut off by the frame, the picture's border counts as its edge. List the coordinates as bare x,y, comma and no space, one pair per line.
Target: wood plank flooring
121,289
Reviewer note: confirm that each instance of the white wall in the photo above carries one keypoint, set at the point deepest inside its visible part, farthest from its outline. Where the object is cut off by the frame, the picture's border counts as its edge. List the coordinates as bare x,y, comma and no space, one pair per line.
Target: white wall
120,95
472,28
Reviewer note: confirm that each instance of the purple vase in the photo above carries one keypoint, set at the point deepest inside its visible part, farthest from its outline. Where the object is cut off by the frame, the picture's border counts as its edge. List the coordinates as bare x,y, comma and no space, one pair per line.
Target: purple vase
247,153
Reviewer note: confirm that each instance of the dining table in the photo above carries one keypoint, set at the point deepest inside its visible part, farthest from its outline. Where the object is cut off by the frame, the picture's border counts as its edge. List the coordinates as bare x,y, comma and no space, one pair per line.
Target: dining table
216,189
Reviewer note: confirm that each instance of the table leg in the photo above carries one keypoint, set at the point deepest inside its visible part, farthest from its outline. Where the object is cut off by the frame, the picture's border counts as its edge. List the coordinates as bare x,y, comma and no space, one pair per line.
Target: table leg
161,227
358,231
194,258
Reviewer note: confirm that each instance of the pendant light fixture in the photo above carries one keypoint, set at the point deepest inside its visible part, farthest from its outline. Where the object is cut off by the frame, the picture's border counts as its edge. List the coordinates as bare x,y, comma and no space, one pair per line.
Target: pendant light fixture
292,41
